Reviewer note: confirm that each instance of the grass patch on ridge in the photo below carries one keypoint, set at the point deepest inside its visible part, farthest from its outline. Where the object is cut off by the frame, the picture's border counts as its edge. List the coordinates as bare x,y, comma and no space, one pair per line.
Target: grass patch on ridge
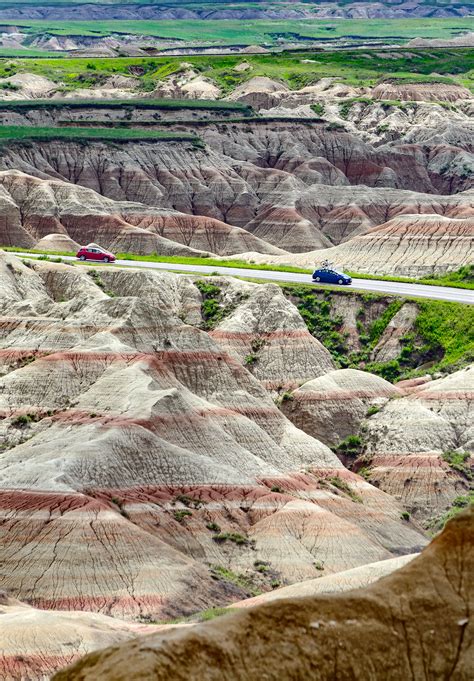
9,133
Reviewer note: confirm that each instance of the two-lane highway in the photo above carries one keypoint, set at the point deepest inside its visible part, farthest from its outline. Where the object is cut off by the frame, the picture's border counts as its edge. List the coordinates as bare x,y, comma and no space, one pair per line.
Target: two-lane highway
453,295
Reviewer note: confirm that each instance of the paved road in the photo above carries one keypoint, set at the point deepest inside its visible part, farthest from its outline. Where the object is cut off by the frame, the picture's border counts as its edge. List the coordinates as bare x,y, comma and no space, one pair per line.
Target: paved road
396,288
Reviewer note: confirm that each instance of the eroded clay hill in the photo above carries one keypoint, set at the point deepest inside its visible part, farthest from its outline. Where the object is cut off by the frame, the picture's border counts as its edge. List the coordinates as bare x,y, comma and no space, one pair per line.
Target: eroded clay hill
423,609
155,450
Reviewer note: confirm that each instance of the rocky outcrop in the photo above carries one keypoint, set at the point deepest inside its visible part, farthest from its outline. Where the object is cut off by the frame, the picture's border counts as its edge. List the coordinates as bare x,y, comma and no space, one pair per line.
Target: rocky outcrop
57,242
421,92
420,448
332,407
463,40
35,209
423,609
267,336
408,245
132,434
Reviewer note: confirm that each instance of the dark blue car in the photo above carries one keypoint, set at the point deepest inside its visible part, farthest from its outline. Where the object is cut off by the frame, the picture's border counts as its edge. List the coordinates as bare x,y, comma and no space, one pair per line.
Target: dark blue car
328,276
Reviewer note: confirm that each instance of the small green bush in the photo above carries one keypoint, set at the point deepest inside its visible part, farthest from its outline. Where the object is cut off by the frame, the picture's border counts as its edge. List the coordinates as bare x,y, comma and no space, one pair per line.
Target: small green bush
234,537
181,515
344,487
457,461
351,446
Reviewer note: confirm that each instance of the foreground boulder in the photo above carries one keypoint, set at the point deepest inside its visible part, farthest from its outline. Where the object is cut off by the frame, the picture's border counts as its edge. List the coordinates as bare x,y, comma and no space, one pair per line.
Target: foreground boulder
413,624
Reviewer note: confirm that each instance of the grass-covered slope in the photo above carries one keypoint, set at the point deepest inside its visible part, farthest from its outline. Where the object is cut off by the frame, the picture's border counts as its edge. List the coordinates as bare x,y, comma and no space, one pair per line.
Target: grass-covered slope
296,69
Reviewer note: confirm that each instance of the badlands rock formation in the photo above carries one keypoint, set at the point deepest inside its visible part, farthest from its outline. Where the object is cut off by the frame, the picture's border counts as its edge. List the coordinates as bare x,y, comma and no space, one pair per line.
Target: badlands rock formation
409,245
57,242
261,326
35,643
333,406
133,435
264,10
409,440
422,609
298,197
416,438
421,92
58,215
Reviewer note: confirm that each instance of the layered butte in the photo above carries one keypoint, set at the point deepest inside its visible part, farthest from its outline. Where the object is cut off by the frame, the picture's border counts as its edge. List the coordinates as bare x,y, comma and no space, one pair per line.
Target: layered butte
144,465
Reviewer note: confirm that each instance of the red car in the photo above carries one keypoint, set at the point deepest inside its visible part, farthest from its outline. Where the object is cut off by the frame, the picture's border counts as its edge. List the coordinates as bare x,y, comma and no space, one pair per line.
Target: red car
95,252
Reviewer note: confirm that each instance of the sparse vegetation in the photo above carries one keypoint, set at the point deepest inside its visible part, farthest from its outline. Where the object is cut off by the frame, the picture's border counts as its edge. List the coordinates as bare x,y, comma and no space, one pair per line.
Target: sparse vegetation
378,327
180,515
245,582
233,537
318,109
22,420
317,316
262,566
211,309
344,487
352,446
188,501
458,505
287,396
458,462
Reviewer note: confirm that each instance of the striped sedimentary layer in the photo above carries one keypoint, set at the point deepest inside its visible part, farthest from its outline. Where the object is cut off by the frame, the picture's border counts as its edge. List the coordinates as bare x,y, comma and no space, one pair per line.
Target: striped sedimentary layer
292,188
332,407
35,208
423,609
35,643
407,245
413,442
140,456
